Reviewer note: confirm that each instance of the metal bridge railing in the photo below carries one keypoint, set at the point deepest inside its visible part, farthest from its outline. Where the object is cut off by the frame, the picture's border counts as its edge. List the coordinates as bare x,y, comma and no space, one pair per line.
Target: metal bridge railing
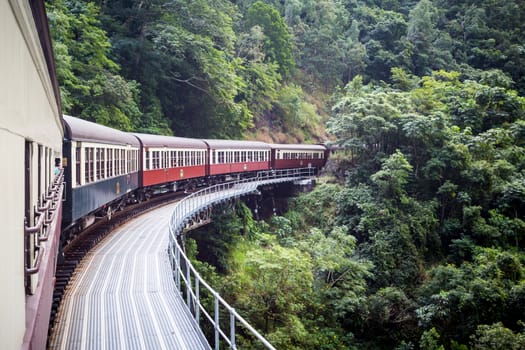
183,270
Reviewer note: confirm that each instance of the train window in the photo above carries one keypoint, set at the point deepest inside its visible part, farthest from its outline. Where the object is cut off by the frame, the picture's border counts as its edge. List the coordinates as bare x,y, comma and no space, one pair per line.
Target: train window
173,159
243,156
134,161
77,164
110,162
46,167
122,162
88,167
39,169
103,163
155,160
116,162
131,161
97,163
237,157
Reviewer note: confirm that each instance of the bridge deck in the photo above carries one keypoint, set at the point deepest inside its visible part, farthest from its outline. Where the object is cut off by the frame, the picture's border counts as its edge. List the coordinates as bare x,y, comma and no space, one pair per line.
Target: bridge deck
124,297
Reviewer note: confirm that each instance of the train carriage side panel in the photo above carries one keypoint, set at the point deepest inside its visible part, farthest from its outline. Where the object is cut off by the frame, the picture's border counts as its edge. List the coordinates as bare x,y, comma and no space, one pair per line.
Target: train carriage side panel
285,156
168,159
30,138
234,157
103,167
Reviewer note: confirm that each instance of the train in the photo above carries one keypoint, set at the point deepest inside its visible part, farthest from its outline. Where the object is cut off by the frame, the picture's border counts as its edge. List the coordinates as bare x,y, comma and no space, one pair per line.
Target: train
61,173
106,169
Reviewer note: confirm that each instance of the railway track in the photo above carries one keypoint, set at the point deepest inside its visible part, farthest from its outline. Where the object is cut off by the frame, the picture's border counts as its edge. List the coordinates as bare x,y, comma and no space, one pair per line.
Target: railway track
77,249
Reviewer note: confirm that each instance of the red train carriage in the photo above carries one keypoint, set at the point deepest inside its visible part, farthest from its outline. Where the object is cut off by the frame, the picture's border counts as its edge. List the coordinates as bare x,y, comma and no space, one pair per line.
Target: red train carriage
298,156
168,160
235,157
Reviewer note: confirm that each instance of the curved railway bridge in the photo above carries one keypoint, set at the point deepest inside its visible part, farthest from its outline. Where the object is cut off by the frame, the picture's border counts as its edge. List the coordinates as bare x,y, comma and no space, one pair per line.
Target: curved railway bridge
137,290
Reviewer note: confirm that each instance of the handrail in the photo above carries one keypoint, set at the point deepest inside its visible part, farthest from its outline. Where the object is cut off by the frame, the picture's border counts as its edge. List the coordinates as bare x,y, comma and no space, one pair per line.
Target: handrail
46,214
38,260
192,205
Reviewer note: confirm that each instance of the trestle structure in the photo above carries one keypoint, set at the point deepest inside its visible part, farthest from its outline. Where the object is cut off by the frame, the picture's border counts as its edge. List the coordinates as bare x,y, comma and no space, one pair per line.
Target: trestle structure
194,211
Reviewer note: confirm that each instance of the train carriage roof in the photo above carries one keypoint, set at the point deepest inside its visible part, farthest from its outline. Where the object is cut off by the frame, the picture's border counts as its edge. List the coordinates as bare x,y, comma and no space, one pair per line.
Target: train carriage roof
234,144
297,147
149,140
86,131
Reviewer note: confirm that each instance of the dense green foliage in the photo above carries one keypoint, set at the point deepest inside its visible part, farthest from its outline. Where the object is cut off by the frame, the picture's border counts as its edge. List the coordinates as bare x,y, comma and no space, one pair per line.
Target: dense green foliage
217,68
420,244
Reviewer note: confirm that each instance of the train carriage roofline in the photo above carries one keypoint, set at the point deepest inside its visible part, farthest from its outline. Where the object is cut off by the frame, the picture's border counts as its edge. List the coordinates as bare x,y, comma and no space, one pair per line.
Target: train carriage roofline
82,130
236,144
149,140
300,147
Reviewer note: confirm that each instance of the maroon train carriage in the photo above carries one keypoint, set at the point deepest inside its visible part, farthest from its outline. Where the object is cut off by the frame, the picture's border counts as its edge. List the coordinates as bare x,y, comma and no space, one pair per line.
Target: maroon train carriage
237,157
172,161
286,156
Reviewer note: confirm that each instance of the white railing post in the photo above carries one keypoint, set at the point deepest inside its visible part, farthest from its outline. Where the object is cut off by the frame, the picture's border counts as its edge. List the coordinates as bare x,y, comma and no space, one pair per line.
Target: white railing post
177,262
216,320
197,301
188,285
232,329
